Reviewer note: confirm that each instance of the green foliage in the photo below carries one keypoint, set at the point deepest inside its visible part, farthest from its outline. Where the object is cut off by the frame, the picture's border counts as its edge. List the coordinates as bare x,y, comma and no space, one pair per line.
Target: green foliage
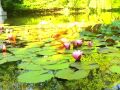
10,4
40,4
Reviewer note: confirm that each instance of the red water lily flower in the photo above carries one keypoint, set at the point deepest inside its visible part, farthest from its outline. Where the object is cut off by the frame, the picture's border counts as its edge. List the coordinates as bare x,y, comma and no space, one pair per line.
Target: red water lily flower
67,45
77,55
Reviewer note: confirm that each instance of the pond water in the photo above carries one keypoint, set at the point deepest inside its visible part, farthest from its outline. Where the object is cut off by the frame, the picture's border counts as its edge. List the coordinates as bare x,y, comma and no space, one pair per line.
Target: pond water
39,60
102,17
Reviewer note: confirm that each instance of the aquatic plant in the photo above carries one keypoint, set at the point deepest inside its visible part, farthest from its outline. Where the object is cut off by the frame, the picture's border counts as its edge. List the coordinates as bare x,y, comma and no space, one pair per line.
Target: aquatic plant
77,43
3,47
90,44
67,45
11,38
77,55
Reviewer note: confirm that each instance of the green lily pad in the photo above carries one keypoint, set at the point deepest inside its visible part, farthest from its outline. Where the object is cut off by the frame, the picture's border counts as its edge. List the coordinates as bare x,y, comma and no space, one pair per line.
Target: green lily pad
56,66
115,69
12,58
44,61
108,50
3,61
46,52
114,55
29,66
115,61
33,50
34,77
49,48
84,65
69,74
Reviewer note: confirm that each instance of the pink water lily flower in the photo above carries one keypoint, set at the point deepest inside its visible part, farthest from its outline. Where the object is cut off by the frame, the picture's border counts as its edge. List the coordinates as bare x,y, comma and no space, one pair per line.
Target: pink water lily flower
77,55
4,48
77,43
67,45
90,44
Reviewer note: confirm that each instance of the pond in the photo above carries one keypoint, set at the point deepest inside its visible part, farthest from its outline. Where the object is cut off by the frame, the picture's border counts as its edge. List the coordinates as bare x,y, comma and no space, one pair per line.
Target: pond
61,52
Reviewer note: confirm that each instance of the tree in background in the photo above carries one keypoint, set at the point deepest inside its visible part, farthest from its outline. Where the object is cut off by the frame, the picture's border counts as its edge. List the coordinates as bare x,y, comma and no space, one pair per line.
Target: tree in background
10,4
47,4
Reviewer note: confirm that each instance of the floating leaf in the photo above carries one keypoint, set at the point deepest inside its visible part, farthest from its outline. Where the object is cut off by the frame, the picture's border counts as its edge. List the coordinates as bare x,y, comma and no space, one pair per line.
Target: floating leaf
84,65
12,58
80,74
33,50
115,61
108,50
3,61
29,66
46,52
44,61
57,66
34,77
65,74
115,69
69,74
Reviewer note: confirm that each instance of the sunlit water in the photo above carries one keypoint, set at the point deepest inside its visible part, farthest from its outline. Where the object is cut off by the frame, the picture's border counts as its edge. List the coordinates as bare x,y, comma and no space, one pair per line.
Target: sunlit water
102,17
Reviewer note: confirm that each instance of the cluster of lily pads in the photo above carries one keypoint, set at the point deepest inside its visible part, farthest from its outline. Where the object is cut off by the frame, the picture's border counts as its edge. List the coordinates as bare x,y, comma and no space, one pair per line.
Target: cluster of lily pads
45,61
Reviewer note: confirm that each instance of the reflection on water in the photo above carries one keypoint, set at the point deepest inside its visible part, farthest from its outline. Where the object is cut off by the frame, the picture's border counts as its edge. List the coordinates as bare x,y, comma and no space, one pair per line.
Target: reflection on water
100,17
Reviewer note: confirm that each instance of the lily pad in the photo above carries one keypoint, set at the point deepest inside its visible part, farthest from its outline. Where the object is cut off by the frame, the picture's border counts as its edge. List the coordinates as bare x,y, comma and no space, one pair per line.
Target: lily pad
29,66
3,61
46,52
69,74
56,66
108,50
115,69
84,65
34,77
12,58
